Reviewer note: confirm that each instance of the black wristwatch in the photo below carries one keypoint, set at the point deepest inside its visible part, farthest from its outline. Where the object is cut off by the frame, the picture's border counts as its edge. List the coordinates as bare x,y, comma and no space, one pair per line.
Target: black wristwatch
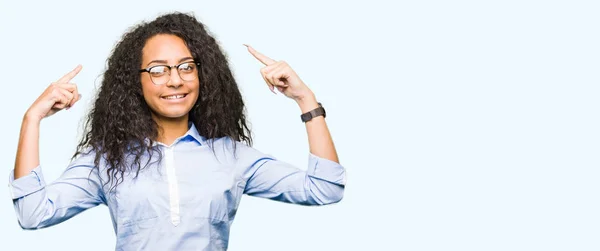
319,111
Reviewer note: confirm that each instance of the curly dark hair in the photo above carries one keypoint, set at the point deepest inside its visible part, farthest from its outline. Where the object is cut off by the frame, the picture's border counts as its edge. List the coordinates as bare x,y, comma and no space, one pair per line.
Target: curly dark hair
120,123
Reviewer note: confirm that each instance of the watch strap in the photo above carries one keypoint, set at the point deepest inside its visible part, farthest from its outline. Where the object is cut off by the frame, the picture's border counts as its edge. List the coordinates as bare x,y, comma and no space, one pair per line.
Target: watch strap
319,111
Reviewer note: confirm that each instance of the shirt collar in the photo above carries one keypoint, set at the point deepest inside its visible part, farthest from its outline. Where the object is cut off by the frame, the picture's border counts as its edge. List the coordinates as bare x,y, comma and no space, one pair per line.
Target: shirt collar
191,134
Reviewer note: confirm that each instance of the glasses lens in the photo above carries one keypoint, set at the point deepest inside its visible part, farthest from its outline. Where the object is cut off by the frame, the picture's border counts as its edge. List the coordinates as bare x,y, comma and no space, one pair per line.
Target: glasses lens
159,74
187,71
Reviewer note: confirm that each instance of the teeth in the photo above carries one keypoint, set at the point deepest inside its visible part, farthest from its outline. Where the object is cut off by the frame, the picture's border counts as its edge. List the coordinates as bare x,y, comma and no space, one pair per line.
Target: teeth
174,97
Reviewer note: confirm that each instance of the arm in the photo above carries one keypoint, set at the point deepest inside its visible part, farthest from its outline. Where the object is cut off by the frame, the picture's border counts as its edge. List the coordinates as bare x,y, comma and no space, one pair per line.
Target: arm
28,156
266,177
319,138
279,74
40,205
36,204
57,96
324,180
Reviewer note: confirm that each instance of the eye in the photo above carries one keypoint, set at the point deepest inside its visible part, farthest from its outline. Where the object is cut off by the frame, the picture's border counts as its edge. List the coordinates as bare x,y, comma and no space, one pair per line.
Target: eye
157,71
187,67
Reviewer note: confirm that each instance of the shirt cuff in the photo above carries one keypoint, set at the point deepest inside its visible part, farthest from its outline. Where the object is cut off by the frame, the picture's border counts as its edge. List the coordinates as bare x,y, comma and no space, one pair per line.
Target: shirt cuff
326,170
28,184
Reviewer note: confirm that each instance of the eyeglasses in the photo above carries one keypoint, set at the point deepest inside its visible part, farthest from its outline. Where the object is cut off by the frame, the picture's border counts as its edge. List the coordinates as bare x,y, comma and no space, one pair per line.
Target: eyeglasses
161,74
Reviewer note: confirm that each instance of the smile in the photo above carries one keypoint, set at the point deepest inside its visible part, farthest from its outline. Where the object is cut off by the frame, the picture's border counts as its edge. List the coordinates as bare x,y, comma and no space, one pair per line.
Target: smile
176,96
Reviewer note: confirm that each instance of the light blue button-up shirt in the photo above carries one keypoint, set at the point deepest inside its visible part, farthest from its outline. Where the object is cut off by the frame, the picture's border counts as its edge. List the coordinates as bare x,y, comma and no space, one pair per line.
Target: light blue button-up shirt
185,201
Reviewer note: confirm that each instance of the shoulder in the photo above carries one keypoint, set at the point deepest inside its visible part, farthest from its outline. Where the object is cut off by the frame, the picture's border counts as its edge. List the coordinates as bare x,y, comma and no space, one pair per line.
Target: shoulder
236,150
88,157
86,154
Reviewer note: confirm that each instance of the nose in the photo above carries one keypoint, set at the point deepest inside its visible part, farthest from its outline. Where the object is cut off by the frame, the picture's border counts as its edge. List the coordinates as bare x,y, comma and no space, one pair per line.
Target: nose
175,80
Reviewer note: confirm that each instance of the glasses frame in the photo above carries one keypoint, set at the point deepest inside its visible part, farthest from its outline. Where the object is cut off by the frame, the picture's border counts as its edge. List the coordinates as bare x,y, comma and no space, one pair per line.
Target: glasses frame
170,70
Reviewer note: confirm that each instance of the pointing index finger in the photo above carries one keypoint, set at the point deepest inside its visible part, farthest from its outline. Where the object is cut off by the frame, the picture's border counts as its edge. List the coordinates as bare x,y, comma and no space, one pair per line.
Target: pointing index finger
262,58
67,78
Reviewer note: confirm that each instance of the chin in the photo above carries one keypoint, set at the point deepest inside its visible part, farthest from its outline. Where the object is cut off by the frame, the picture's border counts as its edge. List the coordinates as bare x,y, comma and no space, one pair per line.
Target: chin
172,113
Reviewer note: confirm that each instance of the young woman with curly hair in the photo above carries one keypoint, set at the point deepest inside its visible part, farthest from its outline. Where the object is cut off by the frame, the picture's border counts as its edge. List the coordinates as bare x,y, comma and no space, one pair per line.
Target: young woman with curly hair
166,144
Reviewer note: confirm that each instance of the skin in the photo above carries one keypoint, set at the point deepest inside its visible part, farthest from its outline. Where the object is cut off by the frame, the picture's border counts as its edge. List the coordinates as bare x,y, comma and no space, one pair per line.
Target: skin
171,116
58,96
278,74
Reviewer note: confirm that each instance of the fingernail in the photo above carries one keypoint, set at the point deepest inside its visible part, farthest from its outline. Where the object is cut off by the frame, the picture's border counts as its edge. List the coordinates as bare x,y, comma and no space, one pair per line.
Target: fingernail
245,45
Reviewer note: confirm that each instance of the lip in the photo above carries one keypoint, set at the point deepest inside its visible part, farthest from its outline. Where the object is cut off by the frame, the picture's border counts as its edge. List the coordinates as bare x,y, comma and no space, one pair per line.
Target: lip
163,97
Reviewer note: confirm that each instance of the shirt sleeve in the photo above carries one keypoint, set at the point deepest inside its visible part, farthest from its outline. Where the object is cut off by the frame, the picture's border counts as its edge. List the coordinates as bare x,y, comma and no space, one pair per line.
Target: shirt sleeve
40,205
322,183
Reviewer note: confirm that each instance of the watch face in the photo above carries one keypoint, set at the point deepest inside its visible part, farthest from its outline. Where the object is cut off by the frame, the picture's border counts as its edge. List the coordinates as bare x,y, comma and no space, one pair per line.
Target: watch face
305,117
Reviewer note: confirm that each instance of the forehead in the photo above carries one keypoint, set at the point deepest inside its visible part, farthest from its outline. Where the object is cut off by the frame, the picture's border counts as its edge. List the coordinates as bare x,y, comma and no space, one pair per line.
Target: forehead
166,47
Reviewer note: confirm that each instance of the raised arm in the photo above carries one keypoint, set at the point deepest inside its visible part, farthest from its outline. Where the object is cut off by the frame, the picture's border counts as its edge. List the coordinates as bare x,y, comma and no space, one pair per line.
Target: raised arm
37,204
278,74
324,180
59,95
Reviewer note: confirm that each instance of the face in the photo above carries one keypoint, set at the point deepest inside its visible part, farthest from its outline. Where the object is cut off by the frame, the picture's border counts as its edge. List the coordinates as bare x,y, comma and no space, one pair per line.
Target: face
170,95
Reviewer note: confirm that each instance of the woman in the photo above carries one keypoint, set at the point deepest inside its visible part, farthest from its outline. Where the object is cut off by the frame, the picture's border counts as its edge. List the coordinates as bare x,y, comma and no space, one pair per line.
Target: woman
167,147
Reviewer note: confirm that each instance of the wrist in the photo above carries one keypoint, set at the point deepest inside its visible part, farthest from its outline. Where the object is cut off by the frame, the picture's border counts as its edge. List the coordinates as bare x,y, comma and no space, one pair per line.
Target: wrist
31,119
307,102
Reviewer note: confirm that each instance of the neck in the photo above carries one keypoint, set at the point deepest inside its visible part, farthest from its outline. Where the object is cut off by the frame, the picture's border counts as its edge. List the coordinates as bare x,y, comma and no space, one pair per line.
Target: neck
169,129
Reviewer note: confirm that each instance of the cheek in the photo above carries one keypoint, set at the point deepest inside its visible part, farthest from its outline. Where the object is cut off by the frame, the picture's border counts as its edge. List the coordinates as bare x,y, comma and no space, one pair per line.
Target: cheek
147,84
196,87
148,90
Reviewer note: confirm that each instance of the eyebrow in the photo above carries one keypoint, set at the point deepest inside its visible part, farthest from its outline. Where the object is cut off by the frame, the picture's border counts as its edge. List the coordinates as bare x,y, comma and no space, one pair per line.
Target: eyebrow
158,61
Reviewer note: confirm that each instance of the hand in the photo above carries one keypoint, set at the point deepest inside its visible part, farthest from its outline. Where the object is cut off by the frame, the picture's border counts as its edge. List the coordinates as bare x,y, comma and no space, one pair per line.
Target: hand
280,75
59,95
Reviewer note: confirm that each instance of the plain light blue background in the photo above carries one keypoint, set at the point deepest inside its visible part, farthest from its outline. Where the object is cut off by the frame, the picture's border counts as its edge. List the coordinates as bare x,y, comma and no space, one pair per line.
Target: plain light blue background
464,125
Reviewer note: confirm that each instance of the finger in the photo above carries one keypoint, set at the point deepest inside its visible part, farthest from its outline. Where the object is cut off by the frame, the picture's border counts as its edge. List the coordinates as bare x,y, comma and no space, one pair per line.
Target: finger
262,58
76,96
273,67
267,73
278,76
72,88
67,97
59,98
274,79
67,78
267,69
279,71
67,86
271,87
263,74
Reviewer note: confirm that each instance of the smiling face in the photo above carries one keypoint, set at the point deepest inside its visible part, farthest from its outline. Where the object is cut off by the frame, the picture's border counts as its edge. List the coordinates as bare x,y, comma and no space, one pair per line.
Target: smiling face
168,95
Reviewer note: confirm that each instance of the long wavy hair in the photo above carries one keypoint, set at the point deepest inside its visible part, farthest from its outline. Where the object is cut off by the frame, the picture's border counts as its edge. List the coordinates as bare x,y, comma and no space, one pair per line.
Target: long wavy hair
119,126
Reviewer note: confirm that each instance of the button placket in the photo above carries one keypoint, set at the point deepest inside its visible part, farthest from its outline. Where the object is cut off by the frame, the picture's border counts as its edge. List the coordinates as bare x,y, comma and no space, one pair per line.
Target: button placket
173,186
